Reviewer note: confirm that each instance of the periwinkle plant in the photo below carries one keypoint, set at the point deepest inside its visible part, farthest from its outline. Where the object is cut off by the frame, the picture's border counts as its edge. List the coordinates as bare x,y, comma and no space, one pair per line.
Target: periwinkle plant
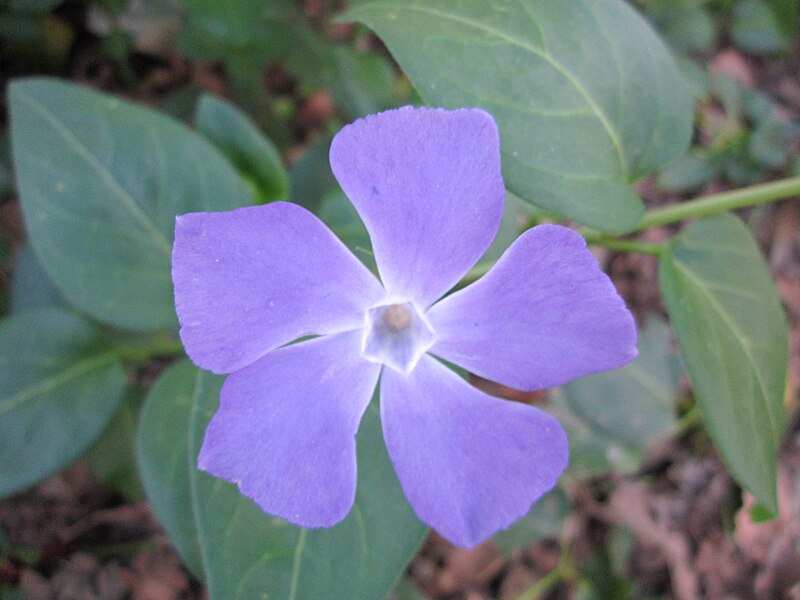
571,103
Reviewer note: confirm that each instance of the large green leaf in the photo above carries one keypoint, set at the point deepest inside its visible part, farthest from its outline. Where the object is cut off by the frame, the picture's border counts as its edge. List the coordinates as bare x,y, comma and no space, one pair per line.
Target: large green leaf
586,96
733,334
60,385
32,287
756,28
101,181
233,132
239,551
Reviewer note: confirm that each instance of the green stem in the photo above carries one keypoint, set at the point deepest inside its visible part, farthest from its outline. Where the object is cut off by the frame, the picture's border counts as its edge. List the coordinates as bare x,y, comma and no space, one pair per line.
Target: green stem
708,205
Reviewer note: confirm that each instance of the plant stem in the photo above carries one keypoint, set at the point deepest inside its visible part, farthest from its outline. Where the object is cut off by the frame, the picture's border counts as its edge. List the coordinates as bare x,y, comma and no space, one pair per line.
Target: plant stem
699,207
708,205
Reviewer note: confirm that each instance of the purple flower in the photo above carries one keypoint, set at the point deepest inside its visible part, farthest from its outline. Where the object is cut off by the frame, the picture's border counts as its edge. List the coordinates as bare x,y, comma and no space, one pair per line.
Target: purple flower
427,184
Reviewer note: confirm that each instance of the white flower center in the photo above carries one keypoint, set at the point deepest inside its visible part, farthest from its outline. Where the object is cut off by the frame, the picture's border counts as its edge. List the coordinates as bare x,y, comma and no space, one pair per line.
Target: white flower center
396,335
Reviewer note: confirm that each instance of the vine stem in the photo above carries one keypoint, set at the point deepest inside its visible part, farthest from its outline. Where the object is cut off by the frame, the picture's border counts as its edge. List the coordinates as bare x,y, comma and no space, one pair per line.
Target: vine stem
714,203
699,207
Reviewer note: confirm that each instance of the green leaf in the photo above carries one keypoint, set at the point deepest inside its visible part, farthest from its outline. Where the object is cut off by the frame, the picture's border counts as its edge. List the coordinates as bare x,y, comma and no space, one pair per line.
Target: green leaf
166,462
733,334
362,83
586,96
33,288
611,417
311,177
242,142
770,142
755,28
686,25
101,181
60,385
113,456
786,13
688,172
219,29
239,551
760,513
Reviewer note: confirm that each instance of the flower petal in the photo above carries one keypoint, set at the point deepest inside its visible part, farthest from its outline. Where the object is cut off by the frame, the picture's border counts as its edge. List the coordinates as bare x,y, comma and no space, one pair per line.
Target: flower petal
252,279
544,314
469,464
427,184
286,425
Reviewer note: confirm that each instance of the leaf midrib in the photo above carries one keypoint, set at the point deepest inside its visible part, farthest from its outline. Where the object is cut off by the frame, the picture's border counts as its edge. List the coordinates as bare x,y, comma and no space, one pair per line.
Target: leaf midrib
738,336
584,93
127,200
49,384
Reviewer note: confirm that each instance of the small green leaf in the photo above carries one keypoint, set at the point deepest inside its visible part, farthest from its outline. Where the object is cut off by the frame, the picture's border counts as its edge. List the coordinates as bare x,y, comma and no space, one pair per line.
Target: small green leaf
60,385
755,28
786,12
733,334
311,177
741,169
688,172
362,83
239,551
611,417
760,513
770,143
242,142
587,98
687,26
100,181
